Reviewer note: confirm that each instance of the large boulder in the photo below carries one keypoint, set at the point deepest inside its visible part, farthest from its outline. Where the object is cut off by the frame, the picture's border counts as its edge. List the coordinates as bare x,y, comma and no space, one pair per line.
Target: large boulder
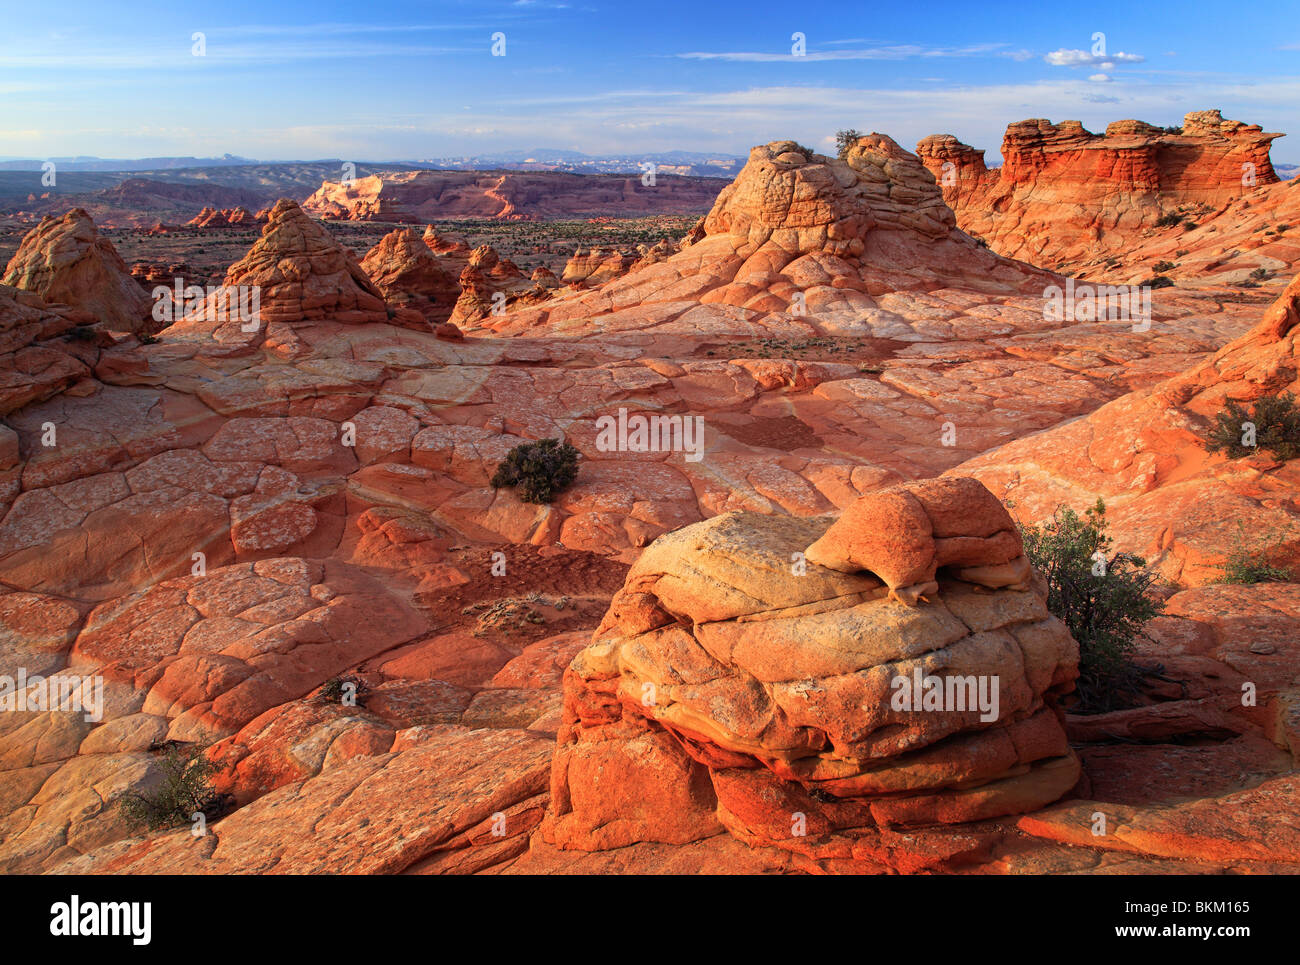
736,684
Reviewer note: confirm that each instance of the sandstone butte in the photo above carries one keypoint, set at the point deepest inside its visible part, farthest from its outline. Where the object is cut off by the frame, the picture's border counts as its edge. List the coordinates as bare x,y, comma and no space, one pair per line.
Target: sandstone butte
1069,199
655,682
418,197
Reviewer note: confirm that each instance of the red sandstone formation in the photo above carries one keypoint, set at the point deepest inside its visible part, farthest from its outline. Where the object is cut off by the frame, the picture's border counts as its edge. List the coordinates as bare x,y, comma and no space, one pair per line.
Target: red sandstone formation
722,692
38,358
300,274
1145,453
1064,195
414,197
409,276
334,480
488,284
66,260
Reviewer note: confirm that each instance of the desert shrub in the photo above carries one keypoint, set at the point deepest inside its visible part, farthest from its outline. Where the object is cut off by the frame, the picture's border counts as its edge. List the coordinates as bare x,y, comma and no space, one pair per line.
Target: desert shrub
539,469
82,333
1169,220
1159,281
1245,565
845,140
1276,424
186,789
1101,595
1160,267
336,689
1176,129
1259,274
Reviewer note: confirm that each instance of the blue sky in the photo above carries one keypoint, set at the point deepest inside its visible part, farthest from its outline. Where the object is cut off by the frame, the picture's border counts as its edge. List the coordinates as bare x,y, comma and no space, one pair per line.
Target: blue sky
406,80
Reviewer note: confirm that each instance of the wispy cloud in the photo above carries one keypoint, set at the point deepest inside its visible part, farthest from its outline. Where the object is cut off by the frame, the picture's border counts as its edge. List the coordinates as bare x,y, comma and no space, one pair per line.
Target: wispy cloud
891,52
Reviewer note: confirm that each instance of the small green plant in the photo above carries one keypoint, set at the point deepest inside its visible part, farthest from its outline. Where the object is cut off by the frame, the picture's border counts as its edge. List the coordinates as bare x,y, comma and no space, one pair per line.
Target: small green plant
1169,220
1246,565
1259,274
1160,267
186,790
1101,595
1159,281
539,469
1272,423
846,139
1176,129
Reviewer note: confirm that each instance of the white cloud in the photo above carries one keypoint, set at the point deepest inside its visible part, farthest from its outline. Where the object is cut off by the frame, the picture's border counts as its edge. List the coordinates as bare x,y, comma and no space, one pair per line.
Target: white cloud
1081,58
1100,78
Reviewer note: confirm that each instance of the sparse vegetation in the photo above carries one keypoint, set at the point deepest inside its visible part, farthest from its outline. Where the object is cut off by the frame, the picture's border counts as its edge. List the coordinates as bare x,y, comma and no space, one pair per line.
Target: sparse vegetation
1272,424
1101,595
1159,281
347,691
845,139
539,469
186,790
1160,267
1247,564
1259,274
1175,129
1169,220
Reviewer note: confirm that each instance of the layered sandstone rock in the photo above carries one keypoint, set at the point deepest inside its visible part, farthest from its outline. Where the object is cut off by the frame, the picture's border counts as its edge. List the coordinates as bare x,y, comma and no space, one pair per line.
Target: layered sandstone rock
799,235
1145,453
38,356
488,284
223,218
414,197
65,260
1064,195
405,271
301,274
734,685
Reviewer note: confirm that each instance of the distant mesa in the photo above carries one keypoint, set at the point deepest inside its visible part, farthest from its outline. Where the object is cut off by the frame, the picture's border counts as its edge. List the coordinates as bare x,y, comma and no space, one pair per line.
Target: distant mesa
1063,194
419,197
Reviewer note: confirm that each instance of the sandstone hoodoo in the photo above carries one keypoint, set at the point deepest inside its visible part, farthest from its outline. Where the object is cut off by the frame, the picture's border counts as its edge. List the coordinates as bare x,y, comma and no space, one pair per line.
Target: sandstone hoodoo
1063,194
405,271
802,236
66,260
735,683
300,273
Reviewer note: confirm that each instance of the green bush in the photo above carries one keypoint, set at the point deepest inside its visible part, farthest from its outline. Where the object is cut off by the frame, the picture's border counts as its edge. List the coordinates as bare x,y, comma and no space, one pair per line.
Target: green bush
1102,596
1252,566
1163,266
336,691
186,790
539,469
1159,281
1169,220
1276,422
845,140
